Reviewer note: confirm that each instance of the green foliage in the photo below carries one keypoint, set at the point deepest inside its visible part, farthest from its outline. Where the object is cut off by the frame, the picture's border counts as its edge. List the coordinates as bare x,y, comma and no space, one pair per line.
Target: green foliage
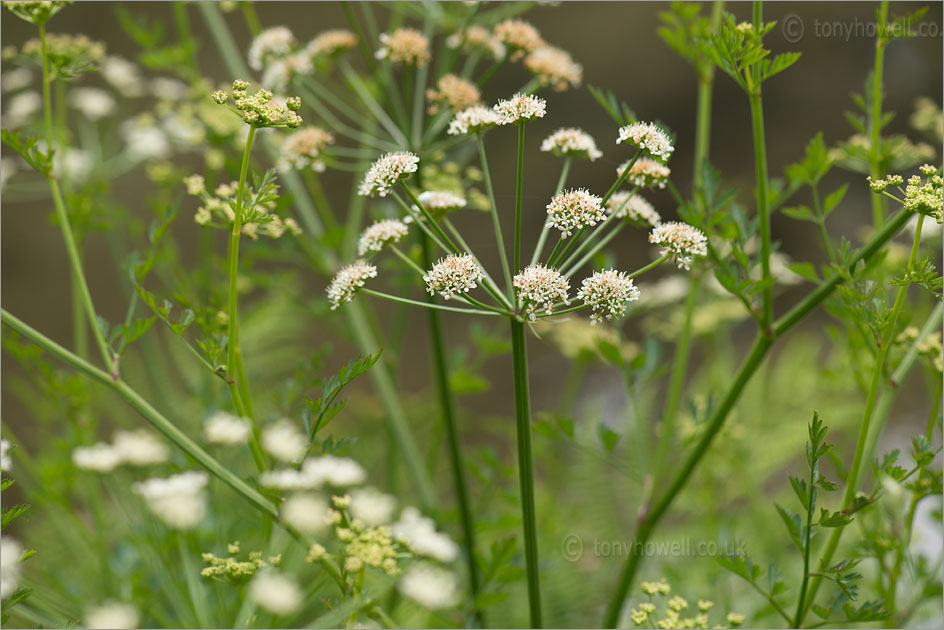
320,411
26,148
738,50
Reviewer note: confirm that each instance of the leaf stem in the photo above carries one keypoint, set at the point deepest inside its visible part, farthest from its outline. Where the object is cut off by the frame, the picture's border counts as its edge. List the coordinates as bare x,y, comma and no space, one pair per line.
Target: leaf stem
493,207
519,185
539,248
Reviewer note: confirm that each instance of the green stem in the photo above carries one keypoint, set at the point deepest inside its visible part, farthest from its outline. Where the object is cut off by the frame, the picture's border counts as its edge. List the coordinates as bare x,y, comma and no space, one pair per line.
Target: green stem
252,20
706,77
441,371
519,185
158,421
676,381
875,121
438,307
821,223
432,223
763,214
855,472
62,216
810,506
487,283
603,242
493,207
525,469
655,263
539,248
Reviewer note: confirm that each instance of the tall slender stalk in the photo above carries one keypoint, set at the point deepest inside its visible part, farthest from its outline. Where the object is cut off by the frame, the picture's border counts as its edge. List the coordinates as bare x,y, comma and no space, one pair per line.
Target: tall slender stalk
518,192
539,248
875,120
855,471
525,468
493,207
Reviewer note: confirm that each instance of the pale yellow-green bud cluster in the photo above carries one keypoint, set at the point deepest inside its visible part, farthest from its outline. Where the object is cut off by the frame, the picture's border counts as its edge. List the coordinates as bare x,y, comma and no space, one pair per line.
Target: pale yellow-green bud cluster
259,109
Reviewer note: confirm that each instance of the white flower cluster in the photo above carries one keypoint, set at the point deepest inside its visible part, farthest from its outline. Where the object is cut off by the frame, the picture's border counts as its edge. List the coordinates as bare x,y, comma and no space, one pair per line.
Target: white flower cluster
440,201
572,142
6,464
112,615
316,472
306,512
431,587
303,149
378,235
456,92
372,506
10,552
649,138
179,500
276,593
575,209
284,440
520,108
348,280
518,35
646,173
272,43
404,45
226,429
606,293
453,275
539,286
477,38
419,534
331,42
681,241
93,103
473,119
384,174
626,205
554,67
137,448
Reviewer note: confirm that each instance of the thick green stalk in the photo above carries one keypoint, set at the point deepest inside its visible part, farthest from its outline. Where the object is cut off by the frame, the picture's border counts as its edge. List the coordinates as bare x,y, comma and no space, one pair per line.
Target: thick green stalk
855,471
763,212
519,181
62,216
493,207
441,371
525,468
649,518
875,120
158,421
677,381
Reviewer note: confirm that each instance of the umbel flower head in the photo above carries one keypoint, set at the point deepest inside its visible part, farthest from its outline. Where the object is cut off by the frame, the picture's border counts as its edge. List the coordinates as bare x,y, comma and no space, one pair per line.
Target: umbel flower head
331,43
477,38
681,241
178,500
539,286
520,108
554,67
646,173
35,12
453,275
441,201
272,43
925,198
572,142
574,209
404,45
518,35
649,138
386,172
454,91
626,205
303,149
259,109
606,293
378,235
348,280
473,119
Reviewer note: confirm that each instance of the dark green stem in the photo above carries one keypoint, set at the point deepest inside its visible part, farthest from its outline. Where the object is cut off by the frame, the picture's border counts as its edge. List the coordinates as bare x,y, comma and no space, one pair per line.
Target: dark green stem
519,182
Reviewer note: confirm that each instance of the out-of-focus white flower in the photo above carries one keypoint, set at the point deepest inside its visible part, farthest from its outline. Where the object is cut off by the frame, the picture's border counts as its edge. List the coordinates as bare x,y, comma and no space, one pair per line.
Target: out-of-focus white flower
330,43
681,241
7,169
276,593
372,506
454,91
272,43
430,587
166,88
315,473
227,429
306,512
520,36
348,280
303,149
379,235
554,67
520,108
15,79
572,210
649,138
178,500
112,615
606,293
626,205
123,75
477,37
279,73
6,464
140,448
93,103
572,142
453,275
145,141
284,441
10,552
439,201
386,172
420,534
404,45
101,457
473,119
21,108
72,164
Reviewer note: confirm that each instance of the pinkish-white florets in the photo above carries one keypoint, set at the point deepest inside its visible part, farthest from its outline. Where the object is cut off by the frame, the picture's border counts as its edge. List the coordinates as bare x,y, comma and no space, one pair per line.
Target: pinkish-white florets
454,91
520,108
572,142
477,38
303,149
681,241
330,43
649,138
575,209
272,43
453,275
626,205
646,173
473,120
386,172
539,286
404,45
347,282
606,293
518,35
379,235
554,67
